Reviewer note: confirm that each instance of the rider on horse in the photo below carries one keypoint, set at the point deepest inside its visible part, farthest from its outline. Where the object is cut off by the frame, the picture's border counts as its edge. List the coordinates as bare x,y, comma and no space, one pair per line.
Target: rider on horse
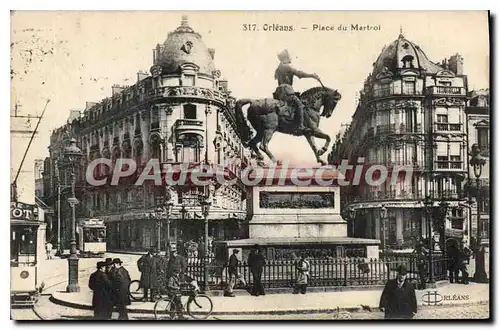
284,92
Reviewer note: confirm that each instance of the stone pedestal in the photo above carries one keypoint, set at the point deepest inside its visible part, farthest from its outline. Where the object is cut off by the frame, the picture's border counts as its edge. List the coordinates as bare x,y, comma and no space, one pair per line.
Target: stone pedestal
287,218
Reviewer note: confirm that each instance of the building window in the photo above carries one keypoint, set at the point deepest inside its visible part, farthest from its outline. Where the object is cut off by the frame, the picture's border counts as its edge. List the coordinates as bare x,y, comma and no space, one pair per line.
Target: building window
445,83
155,115
483,138
188,80
189,111
442,118
409,87
191,150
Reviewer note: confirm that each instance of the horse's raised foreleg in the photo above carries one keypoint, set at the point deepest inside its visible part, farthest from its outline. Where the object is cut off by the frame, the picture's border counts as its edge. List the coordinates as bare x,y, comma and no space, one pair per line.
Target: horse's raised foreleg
320,135
310,140
267,135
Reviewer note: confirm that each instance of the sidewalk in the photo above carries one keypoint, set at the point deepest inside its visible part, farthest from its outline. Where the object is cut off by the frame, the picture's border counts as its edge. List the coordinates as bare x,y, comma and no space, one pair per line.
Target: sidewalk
288,303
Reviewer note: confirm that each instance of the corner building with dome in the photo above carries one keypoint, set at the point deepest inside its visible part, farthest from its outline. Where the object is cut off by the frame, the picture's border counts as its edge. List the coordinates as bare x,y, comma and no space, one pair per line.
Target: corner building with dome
411,112
181,112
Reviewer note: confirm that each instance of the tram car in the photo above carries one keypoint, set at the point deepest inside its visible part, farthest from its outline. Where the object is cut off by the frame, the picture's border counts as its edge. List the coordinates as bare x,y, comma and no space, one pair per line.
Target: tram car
92,237
27,237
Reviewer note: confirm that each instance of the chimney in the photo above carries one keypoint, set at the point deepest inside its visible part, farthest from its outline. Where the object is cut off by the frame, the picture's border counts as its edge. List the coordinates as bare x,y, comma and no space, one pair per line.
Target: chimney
89,105
73,114
456,64
211,51
141,75
115,89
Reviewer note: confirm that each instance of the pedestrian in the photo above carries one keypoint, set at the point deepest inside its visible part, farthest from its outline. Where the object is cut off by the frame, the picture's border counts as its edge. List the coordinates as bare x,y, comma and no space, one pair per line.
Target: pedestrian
120,279
109,265
453,264
176,269
462,261
421,252
102,298
148,267
256,262
48,250
302,266
234,274
398,300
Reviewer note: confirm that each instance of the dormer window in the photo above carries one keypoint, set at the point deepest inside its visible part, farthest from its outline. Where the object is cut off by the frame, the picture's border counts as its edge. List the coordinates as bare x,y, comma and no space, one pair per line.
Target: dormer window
408,62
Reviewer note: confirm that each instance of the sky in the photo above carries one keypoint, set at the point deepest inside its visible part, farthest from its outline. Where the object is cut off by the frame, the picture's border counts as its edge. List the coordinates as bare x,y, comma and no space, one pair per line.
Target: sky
73,57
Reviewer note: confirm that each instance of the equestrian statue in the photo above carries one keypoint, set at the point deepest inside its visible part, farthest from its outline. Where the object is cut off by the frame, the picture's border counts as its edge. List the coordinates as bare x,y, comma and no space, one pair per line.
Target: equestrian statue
288,112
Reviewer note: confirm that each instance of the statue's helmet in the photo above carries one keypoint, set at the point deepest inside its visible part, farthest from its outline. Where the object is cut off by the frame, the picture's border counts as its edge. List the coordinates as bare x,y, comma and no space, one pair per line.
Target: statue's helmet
284,56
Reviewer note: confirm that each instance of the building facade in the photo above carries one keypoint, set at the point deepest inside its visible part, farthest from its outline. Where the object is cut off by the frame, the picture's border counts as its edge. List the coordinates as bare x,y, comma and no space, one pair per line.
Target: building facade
410,114
181,112
478,125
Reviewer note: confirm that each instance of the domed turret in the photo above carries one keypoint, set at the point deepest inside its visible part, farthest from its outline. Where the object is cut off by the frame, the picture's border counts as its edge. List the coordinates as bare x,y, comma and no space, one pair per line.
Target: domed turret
184,45
403,54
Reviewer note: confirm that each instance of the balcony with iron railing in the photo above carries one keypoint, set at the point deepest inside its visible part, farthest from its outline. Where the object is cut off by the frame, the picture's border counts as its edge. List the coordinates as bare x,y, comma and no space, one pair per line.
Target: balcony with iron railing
449,165
398,129
188,126
447,194
446,90
447,127
377,93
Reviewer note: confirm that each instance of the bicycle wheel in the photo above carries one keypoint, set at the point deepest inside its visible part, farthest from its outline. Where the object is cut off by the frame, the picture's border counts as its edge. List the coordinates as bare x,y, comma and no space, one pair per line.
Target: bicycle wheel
135,290
200,307
164,309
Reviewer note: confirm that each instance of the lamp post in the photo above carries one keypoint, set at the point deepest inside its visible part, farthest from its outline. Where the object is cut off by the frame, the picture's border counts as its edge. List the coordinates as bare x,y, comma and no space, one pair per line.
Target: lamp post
477,162
72,155
205,209
383,217
428,205
168,209
351,214
443,209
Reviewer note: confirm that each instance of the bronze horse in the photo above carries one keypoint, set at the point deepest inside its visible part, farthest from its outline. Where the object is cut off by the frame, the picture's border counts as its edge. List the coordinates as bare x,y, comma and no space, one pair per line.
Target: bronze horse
265,118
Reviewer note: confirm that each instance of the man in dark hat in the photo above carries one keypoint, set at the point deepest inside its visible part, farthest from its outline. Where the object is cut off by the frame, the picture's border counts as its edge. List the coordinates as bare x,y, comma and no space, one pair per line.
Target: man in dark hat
234,274
102,299
148,267
120,279
109,264
398,299
176,269
256,262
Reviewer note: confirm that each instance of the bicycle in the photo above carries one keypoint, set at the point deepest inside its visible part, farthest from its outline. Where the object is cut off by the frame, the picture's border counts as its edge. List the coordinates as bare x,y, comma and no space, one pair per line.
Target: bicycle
341,315
136,292
198,306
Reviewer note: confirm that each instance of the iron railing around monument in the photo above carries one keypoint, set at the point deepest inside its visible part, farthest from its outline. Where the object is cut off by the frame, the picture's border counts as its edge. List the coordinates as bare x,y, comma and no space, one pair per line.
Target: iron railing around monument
324,272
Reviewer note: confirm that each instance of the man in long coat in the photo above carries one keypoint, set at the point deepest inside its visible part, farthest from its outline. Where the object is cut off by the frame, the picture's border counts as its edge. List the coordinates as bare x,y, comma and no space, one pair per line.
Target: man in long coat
147,265
398,299
120,279
256,262
102,299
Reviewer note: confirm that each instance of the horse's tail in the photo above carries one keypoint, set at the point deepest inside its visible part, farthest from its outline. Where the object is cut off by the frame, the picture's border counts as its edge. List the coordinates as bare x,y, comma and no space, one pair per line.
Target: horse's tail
245,130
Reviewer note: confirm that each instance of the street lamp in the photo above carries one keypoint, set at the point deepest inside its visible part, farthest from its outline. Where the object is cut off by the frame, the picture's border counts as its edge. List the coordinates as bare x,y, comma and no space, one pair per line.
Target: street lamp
383,217
72,156
477,162
205,209
351,214
163,209
429,204
443,210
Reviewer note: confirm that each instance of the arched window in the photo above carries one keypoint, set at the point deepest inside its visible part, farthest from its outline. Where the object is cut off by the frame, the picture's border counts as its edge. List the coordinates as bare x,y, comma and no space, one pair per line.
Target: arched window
189,111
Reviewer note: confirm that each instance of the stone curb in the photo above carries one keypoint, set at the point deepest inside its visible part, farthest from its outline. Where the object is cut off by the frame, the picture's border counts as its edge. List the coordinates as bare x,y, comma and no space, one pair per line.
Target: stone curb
275,312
